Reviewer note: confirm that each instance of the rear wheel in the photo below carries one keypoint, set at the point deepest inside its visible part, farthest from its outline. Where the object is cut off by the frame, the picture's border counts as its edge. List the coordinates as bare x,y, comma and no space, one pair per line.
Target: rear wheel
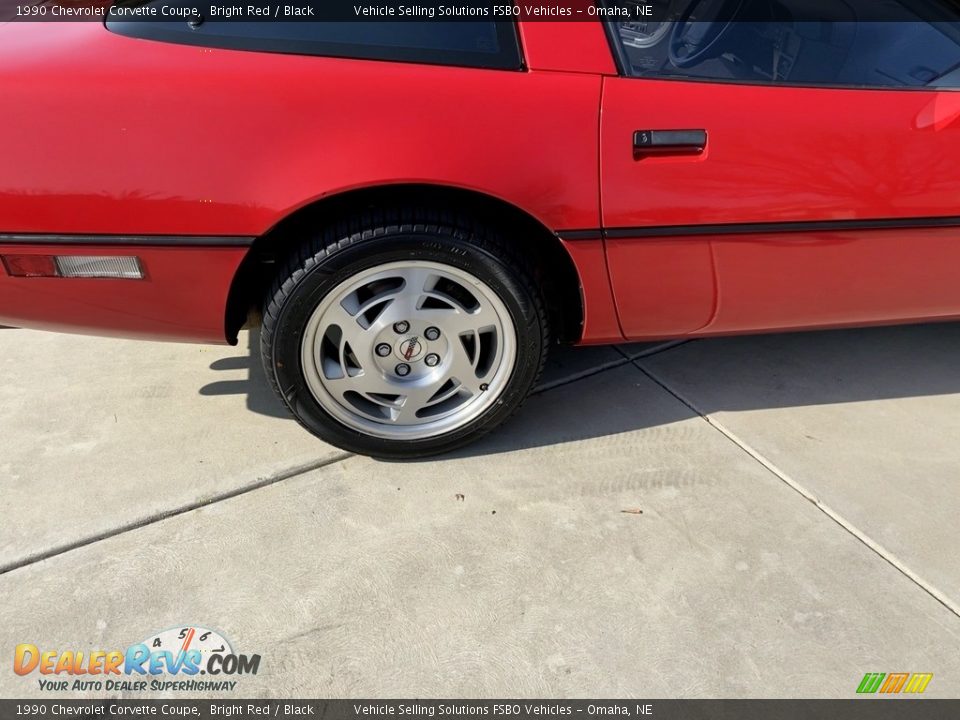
405,334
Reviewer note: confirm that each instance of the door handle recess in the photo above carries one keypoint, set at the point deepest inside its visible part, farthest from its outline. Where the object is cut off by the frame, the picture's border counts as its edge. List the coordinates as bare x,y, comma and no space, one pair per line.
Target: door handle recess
649,142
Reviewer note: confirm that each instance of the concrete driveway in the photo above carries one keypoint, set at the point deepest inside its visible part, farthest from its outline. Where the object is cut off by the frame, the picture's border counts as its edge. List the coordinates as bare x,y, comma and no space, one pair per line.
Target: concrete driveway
766,517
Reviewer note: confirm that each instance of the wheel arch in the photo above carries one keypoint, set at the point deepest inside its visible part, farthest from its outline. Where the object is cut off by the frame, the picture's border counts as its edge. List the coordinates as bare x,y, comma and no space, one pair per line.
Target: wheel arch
561,279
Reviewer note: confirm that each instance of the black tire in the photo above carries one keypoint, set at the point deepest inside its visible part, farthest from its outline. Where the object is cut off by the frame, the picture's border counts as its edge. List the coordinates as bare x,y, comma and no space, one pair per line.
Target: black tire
349,246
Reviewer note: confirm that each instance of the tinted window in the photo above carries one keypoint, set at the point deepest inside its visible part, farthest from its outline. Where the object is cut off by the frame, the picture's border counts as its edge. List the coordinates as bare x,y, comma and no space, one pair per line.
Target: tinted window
474,44
856,43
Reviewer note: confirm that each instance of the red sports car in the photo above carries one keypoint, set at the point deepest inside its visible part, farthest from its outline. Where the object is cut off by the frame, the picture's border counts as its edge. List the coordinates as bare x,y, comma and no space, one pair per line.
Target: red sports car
416,210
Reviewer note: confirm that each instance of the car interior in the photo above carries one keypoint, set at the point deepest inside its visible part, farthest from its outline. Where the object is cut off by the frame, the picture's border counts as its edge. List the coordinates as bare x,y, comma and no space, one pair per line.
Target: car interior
774,41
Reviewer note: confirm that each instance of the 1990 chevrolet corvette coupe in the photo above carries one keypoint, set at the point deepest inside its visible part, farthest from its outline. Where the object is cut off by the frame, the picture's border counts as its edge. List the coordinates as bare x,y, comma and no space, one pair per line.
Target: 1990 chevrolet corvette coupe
416,211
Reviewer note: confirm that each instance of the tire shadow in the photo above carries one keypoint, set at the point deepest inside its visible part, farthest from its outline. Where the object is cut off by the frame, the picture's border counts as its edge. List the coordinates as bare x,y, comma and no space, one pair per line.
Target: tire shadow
260,397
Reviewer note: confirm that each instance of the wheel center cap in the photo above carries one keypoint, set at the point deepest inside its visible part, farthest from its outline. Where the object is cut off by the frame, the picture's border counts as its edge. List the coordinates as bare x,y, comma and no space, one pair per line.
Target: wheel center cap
410,348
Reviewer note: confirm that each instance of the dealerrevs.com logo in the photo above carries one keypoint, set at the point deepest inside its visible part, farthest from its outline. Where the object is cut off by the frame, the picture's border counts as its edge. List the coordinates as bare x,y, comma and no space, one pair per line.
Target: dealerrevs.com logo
171,660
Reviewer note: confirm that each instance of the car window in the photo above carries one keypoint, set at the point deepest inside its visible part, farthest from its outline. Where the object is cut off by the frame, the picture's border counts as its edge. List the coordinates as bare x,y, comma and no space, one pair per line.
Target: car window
484,44
853,43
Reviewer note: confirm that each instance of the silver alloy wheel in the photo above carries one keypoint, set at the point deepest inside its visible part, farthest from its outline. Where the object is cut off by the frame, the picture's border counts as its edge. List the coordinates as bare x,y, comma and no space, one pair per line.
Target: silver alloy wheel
408,393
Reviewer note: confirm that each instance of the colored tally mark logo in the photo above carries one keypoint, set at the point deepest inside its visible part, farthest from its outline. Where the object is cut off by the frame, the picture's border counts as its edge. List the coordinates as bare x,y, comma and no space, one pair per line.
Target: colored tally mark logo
894,683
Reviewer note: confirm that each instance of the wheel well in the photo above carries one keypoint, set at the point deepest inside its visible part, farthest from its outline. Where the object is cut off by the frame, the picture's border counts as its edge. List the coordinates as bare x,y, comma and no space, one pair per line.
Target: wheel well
559,278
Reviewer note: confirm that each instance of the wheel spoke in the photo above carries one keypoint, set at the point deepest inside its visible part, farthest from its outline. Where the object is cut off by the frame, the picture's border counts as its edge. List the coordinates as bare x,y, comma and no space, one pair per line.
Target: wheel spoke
462,322
465,366
418,279
482,318
455,387
352,331
374,382
416,398
384,299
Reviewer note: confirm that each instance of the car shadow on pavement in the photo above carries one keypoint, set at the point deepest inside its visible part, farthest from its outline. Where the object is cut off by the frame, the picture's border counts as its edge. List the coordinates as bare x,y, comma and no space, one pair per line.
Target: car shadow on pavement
717,374
260,397
745,373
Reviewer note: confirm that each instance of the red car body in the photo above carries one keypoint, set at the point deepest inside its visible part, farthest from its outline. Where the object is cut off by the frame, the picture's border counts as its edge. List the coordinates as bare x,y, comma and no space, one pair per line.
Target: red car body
808,208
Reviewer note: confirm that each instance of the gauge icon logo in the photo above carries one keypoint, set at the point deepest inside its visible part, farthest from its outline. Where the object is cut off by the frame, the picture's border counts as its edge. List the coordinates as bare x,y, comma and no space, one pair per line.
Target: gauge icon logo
191,650
192,637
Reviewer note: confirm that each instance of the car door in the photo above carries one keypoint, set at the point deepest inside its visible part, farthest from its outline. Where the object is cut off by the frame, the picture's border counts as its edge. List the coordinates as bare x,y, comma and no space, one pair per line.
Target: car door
819,185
